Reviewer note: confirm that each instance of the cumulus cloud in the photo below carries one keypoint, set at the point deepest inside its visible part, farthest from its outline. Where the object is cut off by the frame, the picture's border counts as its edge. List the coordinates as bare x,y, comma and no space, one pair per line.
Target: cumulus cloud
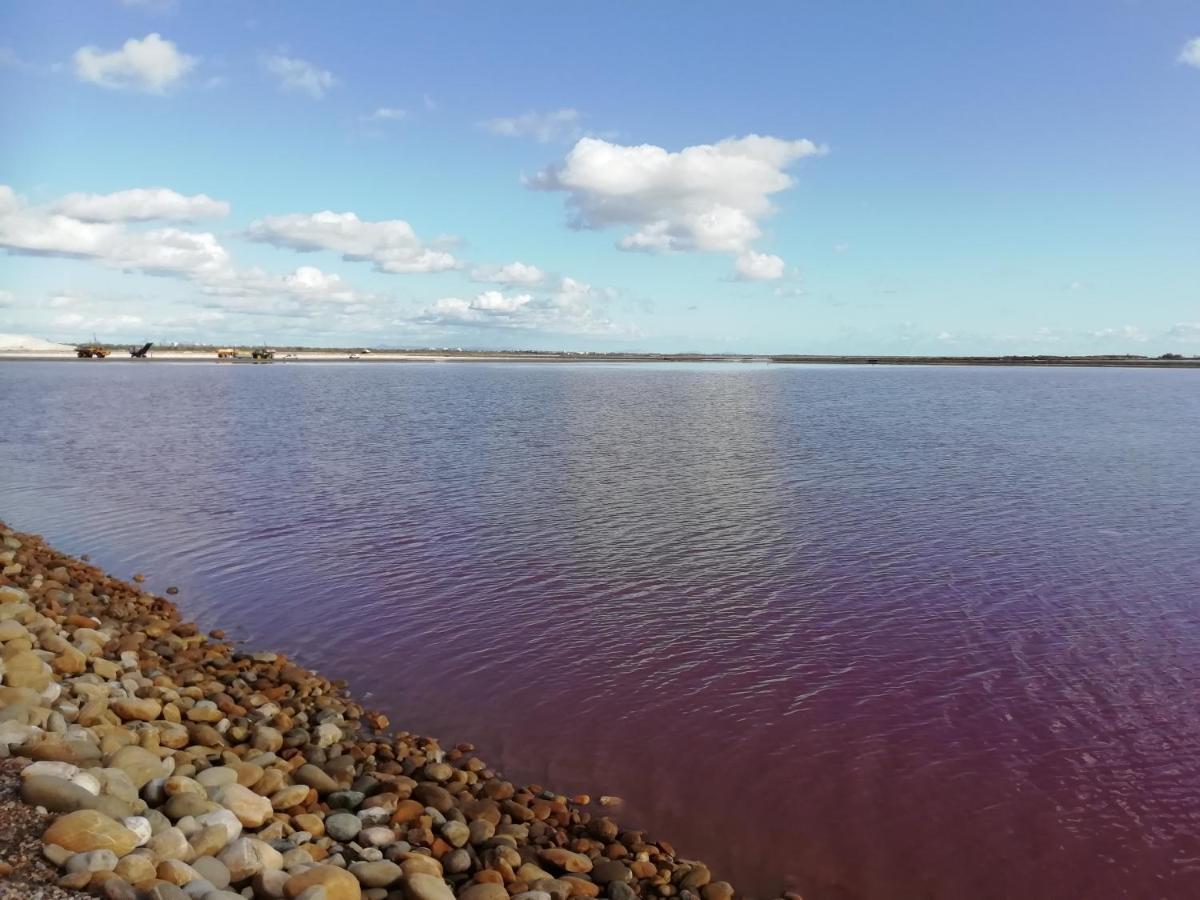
141,205
1123,332
307,292
299,75
391,245
751,266
152,65
544,127
570,307
1190,54
197,257
306,301
512,273
163,251
36,231
707,198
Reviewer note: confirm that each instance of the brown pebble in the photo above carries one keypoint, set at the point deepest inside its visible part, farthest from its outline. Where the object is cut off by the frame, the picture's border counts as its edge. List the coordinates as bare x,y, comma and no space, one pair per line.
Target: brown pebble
289,739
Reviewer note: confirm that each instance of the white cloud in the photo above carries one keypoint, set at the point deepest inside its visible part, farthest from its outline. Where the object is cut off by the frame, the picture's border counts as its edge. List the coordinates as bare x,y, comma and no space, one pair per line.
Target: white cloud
306,292
392,245
512,273
161,251
299,75
141,205
571,307
753,266
1190,54
1124,333
7,299
151,64
306,301
559,124
386,114
706,198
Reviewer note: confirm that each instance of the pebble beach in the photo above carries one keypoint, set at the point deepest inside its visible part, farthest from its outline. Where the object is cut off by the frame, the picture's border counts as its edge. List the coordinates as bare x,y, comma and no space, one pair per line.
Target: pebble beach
141,759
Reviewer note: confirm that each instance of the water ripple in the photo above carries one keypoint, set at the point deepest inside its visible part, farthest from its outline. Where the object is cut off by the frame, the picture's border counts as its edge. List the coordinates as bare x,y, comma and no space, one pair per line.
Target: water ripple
903,633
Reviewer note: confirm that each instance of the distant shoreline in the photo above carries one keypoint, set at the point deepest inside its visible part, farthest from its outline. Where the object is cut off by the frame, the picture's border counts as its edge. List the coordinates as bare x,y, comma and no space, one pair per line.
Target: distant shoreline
328,356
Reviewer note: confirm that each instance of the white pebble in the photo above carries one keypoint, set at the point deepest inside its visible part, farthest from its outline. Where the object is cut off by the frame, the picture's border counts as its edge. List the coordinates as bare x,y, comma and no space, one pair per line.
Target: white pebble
140,826
50,694
52,768
89,783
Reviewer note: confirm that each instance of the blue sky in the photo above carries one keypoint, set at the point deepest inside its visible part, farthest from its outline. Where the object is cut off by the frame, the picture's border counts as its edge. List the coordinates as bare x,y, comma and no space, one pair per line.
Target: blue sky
789,177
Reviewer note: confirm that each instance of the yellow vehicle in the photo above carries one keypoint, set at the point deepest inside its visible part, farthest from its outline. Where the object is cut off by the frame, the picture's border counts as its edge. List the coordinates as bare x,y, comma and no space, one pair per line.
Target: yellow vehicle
91,351
258,354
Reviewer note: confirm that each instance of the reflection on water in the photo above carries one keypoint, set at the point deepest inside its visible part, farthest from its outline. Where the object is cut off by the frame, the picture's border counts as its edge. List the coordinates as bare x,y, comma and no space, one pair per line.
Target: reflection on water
861,632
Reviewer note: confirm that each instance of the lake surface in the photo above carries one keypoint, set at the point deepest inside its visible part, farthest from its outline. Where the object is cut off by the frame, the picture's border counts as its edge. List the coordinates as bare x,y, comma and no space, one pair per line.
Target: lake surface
860,632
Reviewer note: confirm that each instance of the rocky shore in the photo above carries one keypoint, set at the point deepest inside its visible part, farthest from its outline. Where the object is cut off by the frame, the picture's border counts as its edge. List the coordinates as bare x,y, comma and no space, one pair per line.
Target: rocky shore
181,768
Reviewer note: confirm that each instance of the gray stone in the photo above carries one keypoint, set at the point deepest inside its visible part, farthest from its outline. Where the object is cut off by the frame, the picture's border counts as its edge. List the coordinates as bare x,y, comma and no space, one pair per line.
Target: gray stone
55,794
342,826
92,861
212,869
345,799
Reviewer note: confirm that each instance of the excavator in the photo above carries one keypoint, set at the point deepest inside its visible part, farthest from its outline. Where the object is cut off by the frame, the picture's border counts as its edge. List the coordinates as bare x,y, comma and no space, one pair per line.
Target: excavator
140,352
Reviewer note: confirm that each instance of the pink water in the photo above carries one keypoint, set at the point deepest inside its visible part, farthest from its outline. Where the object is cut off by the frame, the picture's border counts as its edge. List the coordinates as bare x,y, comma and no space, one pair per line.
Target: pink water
860,632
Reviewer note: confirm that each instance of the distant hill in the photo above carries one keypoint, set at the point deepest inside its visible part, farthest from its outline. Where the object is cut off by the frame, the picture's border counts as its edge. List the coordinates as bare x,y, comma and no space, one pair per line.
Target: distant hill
24,343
